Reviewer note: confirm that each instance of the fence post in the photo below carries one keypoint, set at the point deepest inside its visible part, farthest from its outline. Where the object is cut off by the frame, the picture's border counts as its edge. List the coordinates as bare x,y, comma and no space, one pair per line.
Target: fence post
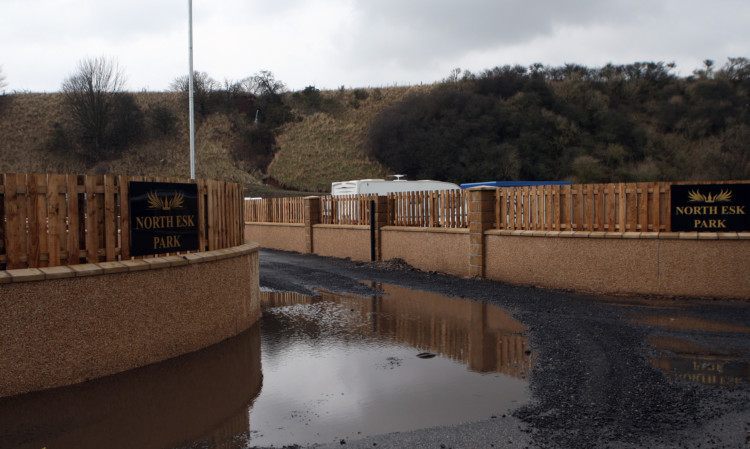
381,220
481,213
312,217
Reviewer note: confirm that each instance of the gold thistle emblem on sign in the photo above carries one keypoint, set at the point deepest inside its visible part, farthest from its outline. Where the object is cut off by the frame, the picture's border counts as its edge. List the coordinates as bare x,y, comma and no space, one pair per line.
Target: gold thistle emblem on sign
695,196
165,203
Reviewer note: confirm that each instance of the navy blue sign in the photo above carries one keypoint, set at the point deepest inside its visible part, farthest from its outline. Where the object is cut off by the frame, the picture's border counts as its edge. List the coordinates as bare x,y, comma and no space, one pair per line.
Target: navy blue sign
163,218
711,207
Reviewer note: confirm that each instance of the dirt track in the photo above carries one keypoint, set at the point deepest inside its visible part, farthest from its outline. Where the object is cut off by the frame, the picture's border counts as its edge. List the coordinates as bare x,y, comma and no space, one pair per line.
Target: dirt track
592,384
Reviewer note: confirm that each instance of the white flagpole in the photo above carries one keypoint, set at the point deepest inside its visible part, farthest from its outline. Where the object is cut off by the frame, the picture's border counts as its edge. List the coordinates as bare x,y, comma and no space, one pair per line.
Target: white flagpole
192,107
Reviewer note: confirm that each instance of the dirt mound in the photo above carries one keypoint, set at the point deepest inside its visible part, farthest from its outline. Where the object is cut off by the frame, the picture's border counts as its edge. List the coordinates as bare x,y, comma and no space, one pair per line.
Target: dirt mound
395,264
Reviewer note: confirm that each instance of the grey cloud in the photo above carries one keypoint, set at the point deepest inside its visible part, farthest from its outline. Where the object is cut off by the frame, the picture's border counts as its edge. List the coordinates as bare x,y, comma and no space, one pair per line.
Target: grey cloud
416,32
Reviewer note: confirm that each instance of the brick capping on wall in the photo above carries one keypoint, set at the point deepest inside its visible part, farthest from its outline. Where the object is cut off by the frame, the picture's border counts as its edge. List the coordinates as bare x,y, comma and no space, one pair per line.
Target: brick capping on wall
101,268
628,235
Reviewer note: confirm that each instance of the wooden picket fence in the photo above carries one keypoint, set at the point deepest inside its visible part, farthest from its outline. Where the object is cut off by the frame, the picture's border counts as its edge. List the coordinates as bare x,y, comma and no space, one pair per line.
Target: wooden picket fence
275,210
622,207
346,209
53,219
444,209
615,207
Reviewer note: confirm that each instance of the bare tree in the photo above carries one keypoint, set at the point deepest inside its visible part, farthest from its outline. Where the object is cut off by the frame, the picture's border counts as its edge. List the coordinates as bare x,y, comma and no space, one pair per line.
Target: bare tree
90,94
263,83
204,88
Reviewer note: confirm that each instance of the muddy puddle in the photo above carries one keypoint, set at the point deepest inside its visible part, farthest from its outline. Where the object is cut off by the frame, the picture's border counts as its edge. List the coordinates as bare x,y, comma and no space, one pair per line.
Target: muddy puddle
689,344
314,370
343,367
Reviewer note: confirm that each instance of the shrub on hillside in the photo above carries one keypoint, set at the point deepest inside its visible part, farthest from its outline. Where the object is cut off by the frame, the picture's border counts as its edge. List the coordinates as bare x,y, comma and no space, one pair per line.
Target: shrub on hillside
127,123
102,117
255,148
162,119
636,122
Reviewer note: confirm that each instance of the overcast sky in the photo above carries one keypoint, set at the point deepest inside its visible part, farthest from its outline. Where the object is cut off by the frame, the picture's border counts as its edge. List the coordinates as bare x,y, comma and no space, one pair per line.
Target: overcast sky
357,43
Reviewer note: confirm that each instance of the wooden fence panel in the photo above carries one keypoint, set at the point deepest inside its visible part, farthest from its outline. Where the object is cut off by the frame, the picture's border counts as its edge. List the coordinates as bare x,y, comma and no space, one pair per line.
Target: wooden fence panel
53,220
614,207
621,207
447,209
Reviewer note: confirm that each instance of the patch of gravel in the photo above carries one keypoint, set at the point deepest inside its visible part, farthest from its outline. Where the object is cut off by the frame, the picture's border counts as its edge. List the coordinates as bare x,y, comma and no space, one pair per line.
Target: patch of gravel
592,384
390,265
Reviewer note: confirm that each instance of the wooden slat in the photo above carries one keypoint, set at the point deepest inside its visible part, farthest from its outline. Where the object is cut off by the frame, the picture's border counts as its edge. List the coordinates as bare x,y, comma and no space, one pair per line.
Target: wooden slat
642,196
556,205
210,223
202,200
611,207
74,223
538,208
498,209
588,207
668,200
565,209
512,208
110,218
599,210
15,216
656,207
549,208
622,208
214,210
56,216
525,208
91,220
124,211
36,224
632,206
577,219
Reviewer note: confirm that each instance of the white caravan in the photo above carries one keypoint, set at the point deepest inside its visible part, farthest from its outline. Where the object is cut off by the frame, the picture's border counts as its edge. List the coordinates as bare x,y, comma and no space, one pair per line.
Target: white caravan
383,187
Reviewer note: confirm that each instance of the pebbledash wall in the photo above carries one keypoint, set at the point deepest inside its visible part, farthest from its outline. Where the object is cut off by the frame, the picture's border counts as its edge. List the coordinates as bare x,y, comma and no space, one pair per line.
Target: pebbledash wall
67,324
652,263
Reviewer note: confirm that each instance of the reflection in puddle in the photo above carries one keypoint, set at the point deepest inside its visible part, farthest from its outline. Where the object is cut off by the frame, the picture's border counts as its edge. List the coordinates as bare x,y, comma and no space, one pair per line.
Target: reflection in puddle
333,367
199,399
712,362
697,363
341,367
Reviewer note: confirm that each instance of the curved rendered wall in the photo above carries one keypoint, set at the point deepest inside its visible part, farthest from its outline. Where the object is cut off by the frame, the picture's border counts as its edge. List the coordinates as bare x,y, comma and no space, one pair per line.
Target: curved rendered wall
65,325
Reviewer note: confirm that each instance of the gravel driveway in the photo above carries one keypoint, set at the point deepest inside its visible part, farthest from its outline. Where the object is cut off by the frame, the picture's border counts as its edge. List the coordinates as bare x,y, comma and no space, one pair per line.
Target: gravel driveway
595,383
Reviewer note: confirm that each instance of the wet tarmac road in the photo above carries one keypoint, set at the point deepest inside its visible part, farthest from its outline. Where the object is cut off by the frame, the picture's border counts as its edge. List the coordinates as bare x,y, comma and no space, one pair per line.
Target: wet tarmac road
619,372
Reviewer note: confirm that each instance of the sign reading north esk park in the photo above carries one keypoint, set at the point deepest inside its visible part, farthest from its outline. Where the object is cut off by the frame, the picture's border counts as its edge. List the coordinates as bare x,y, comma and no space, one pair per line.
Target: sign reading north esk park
711,207
163,217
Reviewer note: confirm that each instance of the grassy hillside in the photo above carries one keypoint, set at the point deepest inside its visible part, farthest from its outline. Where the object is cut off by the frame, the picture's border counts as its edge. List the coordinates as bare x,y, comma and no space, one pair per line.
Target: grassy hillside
328,145
627,123
320,147
27,124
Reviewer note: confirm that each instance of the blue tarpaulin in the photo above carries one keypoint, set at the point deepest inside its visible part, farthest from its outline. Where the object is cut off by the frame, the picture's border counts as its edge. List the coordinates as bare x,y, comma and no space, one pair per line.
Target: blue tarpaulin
514,184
